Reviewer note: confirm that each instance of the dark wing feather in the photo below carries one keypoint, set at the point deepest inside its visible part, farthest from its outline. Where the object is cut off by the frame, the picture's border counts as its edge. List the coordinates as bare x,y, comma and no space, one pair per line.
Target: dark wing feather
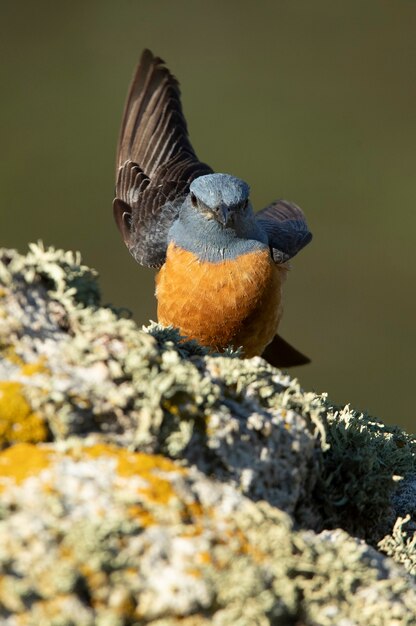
155,161
285,224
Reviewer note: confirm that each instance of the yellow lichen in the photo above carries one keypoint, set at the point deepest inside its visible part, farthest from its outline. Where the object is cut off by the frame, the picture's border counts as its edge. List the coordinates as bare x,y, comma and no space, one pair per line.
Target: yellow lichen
193,571
159,490
242,545
36,367
196,510
11,355
171,407
145,518
22,461
204,557
192,514
146,466
18,423
96,578
193,529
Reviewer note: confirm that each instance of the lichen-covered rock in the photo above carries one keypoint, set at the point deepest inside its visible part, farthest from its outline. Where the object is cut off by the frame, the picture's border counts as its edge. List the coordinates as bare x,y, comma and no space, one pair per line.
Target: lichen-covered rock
84,369
96,534
144,481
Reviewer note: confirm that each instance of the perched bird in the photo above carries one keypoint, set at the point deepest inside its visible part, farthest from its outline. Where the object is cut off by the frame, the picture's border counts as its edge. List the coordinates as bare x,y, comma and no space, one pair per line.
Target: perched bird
221,266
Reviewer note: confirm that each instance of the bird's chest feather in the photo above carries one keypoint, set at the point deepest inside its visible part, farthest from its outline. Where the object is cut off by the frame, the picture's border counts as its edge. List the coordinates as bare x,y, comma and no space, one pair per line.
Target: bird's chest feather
235,301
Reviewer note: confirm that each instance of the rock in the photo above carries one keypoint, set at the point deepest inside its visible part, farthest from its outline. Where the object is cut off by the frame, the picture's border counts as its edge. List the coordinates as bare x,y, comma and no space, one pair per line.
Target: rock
144,481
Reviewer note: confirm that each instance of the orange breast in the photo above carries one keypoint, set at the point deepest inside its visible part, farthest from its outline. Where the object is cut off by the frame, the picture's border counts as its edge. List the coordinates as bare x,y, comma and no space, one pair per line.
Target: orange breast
236,302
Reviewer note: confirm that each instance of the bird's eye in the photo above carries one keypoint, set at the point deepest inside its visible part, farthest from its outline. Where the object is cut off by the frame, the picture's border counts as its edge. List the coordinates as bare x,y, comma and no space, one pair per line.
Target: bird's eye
194,200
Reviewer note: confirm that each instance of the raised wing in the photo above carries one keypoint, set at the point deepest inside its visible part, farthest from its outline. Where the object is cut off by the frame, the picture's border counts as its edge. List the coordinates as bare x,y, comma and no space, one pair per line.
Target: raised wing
285,224
155,161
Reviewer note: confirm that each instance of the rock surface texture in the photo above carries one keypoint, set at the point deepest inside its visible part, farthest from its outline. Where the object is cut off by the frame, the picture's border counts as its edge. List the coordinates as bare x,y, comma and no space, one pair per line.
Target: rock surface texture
144,481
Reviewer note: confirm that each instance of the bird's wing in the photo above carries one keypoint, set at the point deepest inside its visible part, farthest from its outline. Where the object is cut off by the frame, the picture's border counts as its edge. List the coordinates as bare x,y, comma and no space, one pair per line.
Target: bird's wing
155,161
285,224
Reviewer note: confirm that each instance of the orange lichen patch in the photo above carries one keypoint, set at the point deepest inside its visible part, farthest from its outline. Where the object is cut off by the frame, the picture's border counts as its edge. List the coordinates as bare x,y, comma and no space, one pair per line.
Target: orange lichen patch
133,463
145,518
194,529
192,514
171,407
3,292
18,423
22,461
37,367
196,510
204,558
96,577
145,466
158,490
120,600
96,580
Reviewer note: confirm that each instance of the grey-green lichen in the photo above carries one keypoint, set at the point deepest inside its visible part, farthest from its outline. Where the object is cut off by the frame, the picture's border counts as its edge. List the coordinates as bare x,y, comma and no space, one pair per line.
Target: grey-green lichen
145,481
401,543
95,534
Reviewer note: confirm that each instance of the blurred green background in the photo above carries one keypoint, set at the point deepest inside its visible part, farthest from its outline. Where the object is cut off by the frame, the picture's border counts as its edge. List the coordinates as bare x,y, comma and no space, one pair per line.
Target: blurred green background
313,101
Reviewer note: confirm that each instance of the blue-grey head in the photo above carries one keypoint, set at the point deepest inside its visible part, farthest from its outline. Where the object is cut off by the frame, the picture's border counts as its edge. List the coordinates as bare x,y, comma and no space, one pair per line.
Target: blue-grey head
221,197
216,220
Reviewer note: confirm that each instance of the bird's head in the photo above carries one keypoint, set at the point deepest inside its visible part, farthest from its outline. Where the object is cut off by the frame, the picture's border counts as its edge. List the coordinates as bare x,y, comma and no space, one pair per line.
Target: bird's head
221,197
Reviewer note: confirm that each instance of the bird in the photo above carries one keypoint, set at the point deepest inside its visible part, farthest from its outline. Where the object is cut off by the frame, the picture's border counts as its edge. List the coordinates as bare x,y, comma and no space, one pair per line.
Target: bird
220,266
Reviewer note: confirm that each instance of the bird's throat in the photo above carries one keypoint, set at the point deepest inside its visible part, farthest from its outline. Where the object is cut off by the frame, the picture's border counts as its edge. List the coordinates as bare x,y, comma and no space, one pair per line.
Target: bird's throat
211,241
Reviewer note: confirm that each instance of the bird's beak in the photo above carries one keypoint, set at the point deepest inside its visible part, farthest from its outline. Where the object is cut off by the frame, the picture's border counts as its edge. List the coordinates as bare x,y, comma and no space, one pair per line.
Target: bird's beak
223,214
